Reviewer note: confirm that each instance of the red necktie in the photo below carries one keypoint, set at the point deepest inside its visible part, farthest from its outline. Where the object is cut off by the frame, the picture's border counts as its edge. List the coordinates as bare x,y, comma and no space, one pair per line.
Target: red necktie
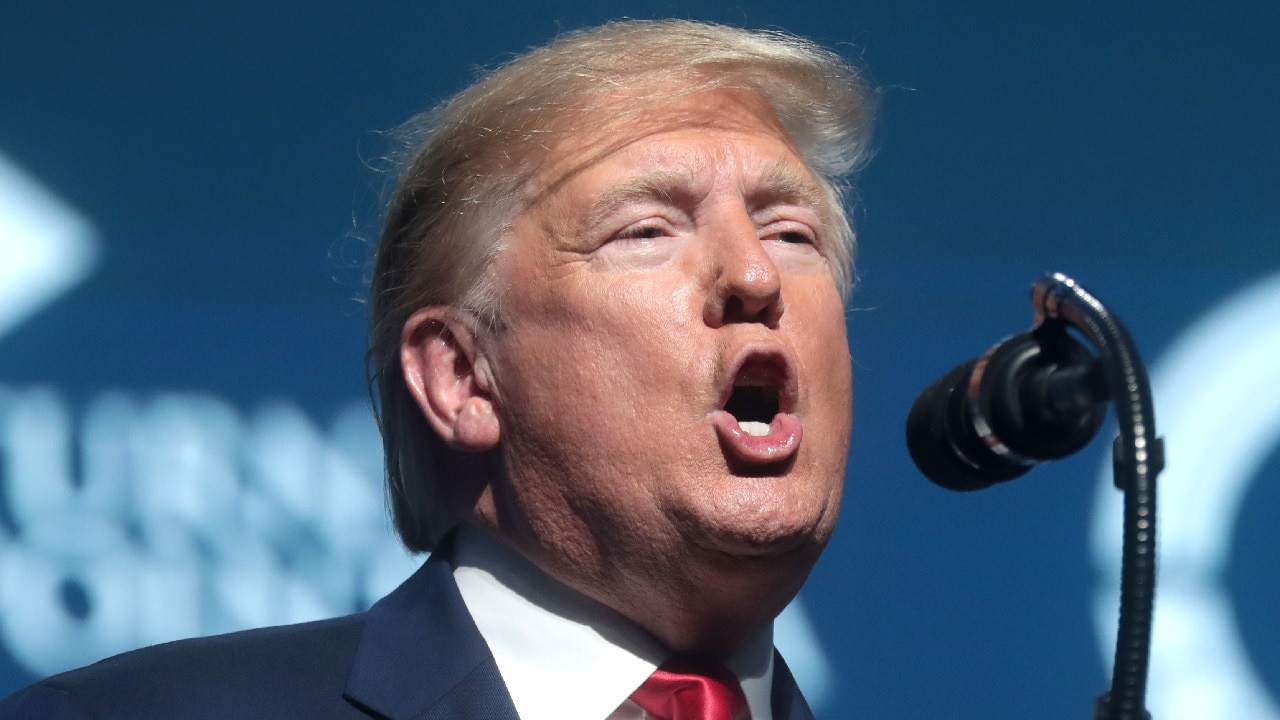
691,691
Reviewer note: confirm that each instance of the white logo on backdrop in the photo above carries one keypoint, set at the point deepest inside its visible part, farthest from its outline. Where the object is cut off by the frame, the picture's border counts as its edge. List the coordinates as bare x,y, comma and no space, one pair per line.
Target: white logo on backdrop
46,248
138,520
1217,393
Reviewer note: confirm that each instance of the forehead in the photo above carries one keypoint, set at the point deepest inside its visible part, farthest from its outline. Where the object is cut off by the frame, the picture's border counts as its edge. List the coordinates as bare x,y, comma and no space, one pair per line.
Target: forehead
639,130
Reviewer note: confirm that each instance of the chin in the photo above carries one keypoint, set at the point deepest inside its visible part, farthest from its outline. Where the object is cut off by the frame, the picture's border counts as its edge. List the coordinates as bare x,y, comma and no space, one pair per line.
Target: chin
775,517
791,539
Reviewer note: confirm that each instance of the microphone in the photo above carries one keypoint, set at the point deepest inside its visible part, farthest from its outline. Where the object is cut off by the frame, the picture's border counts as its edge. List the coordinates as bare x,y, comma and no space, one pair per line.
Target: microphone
1039,395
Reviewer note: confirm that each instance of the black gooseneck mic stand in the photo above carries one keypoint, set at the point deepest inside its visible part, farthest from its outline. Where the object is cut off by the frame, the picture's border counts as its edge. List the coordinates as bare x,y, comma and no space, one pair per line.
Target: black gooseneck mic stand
1041,396
1137,458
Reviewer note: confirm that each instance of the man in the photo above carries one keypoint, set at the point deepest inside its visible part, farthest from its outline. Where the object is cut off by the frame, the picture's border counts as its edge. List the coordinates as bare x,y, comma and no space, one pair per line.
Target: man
607,337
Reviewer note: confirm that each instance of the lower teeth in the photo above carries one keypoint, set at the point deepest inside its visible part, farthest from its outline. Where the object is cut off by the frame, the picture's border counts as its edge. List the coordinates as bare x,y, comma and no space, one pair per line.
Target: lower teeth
752,427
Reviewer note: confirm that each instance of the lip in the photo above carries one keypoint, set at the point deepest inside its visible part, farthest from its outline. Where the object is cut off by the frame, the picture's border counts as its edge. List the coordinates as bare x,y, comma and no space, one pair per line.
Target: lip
769,365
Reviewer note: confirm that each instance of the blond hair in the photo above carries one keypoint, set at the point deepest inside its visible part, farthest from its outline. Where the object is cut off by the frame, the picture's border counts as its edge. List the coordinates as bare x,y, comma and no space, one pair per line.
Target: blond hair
472,157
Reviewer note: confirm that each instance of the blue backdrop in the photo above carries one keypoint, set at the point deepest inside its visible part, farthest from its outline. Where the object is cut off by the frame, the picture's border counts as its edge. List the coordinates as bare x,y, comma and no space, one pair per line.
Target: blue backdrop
184,449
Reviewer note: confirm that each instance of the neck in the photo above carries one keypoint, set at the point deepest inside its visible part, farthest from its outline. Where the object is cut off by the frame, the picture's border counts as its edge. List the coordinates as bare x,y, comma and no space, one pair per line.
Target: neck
714,617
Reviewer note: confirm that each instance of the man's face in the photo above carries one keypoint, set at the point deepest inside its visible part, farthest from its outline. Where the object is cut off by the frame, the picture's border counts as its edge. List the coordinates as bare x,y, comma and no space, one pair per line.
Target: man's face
671,371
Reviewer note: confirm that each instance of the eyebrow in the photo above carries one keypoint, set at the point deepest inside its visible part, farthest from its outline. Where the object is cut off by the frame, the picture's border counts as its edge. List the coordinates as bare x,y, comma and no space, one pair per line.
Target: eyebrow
660,185
784,183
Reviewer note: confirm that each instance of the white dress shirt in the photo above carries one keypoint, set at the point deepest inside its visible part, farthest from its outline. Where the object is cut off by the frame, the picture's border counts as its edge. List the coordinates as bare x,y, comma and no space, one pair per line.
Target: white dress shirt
564,656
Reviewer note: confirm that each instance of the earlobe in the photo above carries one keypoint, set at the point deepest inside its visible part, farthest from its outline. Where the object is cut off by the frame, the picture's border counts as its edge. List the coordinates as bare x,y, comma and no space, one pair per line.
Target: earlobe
448,377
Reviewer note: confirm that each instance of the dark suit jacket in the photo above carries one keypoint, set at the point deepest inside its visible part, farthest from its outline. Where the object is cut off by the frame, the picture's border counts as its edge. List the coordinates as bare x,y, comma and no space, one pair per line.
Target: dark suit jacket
416,654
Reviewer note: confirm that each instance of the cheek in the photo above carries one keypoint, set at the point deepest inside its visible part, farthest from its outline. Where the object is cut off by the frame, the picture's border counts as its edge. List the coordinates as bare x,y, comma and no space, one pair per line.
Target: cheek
641,331
608,355
828,365
819,314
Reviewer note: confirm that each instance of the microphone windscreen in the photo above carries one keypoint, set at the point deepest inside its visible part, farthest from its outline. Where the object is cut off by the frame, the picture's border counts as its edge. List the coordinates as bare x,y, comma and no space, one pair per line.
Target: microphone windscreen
943,442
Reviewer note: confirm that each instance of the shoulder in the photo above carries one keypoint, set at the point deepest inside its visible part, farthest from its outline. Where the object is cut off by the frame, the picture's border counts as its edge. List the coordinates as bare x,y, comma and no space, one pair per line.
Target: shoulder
250,674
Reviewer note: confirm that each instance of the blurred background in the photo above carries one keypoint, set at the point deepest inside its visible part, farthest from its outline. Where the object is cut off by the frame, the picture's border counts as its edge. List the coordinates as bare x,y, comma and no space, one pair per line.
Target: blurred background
186,190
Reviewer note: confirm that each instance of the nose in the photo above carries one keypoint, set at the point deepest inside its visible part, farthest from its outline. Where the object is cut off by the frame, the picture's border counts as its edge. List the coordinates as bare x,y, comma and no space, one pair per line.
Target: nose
747,286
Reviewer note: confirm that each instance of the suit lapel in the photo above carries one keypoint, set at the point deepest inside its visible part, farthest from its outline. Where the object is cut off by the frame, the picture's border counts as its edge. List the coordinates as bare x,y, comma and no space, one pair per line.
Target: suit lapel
421,658
420,655
788,703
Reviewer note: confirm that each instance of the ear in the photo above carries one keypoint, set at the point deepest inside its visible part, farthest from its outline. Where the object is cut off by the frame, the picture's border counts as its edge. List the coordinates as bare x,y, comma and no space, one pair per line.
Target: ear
449,378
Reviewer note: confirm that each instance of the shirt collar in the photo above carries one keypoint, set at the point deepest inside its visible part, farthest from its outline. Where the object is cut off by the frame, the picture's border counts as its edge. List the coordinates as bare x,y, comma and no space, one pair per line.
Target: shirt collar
563,655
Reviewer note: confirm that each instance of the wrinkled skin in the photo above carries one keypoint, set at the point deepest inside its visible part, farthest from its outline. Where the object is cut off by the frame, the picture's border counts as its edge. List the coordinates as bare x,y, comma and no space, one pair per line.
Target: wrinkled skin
657,253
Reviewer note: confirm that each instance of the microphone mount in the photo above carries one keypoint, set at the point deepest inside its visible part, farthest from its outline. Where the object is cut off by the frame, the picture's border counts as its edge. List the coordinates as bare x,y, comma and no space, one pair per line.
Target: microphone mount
1040,396
1137,458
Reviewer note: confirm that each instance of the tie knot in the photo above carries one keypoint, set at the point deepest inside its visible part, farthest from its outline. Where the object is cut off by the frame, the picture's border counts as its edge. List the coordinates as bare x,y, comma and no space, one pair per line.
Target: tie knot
685,690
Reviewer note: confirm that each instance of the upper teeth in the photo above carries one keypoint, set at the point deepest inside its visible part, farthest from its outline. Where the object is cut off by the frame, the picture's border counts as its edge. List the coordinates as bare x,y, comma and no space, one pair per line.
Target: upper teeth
752,427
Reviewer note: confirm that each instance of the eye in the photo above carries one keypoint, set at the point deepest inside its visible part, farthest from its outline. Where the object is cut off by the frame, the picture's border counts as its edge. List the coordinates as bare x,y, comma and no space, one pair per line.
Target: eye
646,230
795,237
642,232
790,233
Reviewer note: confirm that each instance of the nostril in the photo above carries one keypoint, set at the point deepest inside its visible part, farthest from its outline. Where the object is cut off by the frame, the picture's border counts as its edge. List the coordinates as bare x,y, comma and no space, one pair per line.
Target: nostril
734,309
748,309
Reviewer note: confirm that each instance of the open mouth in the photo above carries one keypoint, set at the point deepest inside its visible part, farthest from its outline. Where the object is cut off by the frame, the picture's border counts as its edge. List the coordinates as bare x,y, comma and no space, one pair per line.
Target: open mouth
756,420
753,406
762,388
